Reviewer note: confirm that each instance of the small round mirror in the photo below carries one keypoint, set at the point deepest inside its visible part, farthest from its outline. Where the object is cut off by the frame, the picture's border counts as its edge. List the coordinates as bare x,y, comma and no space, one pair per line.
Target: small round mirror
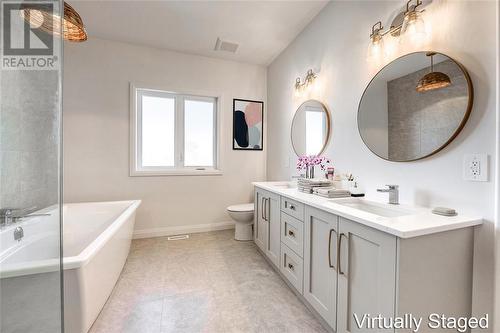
415,106
310,128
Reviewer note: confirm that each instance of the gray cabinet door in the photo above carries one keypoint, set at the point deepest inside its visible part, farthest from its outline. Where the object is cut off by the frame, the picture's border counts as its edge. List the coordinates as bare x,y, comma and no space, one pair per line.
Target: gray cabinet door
273,217
260,224
366,275
320,263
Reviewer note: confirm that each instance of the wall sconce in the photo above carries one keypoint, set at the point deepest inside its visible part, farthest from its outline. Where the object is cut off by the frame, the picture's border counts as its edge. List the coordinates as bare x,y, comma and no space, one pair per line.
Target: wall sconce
408,25
308,81
376,45
413,27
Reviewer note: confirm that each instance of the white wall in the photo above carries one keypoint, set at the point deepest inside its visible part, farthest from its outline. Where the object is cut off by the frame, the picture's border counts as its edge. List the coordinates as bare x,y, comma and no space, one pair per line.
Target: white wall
497,238
96,131
335,44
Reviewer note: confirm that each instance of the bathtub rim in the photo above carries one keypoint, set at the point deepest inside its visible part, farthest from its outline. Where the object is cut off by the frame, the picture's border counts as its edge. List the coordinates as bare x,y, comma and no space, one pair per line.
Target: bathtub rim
73,262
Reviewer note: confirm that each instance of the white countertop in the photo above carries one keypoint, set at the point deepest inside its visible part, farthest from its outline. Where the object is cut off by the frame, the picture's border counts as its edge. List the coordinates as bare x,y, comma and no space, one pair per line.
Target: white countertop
421,222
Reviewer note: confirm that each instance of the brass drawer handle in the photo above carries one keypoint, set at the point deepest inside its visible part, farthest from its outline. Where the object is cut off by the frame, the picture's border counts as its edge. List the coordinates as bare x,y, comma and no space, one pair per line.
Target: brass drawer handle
291,233
268,206
290,266
292,207
265,209
330,249
262,208
339,265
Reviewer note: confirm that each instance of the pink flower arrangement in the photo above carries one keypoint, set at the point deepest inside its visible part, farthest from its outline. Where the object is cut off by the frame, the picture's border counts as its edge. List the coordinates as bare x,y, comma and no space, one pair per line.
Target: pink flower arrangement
306,161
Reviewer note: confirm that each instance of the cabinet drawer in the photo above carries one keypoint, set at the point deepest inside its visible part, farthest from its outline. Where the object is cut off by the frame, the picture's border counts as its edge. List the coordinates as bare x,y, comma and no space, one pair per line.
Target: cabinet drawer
292,233
293,208
292,267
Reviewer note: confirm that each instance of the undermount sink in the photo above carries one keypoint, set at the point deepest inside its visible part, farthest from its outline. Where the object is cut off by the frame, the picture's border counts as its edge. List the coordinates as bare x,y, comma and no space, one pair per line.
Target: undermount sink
384,210
284,185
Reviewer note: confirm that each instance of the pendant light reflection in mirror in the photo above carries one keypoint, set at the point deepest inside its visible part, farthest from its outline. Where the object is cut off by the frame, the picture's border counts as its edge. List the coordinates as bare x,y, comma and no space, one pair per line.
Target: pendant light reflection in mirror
44,18
433,80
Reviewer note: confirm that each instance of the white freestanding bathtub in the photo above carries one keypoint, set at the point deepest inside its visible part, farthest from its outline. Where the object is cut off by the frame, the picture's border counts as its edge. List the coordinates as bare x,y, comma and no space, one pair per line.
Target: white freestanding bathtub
96,238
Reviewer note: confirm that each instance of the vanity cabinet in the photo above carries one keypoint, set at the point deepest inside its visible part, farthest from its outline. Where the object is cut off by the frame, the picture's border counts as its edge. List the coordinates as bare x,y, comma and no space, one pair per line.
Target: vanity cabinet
260,223
292,208
292,243
320,262
349,268
292,233
267,225
344,268
292,267
366,274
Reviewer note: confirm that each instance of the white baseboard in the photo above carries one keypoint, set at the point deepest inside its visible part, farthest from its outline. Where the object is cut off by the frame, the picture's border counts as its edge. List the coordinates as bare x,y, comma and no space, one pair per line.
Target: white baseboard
177,230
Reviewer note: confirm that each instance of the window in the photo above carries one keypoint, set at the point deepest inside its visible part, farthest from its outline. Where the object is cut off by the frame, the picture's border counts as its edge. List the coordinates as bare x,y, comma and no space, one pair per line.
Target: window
173,134
316,129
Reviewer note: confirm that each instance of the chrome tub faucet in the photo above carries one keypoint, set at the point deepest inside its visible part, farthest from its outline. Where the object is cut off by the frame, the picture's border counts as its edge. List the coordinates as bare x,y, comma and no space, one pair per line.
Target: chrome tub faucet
12,215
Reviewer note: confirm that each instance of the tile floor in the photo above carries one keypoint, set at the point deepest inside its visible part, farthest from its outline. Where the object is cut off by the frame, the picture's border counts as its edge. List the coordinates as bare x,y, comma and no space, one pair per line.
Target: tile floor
209,283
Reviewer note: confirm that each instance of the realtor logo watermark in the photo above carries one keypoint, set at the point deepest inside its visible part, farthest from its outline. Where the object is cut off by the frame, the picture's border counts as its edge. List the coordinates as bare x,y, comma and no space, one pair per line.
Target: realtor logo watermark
26,46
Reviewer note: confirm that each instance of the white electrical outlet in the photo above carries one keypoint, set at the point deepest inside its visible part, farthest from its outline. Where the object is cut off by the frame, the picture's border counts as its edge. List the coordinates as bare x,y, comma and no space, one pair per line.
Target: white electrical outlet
476,167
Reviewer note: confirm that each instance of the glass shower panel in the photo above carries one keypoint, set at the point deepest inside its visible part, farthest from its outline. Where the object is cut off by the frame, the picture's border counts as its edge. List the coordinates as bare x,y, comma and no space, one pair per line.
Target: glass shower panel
30,172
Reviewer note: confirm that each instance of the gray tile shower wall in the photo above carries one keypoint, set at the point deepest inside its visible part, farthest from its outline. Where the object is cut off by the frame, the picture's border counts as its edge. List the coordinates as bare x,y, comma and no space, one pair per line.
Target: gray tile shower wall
418,126
29,138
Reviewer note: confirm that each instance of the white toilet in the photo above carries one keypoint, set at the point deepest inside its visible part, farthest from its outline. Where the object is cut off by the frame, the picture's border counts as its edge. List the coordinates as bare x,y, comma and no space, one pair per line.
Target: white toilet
243,217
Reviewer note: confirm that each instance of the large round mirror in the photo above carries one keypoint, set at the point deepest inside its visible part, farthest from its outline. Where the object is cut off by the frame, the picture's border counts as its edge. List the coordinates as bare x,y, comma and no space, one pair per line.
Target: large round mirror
310,128
415,106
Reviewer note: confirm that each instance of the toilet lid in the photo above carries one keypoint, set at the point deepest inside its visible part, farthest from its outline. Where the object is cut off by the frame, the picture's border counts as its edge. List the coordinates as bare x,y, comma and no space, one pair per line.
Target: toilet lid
241,208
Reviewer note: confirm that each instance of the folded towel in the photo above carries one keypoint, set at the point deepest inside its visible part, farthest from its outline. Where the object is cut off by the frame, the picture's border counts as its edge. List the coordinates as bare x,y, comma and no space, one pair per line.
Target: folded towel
323,188
314,182
332,191
333,196
311,186
307,185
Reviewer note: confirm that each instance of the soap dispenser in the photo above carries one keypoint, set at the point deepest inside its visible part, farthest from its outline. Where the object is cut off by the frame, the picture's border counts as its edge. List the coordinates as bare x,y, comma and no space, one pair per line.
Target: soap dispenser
356,191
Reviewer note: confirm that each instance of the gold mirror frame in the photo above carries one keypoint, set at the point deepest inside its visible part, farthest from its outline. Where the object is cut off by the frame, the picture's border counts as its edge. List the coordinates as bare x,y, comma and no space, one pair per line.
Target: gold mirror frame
468,111
328,125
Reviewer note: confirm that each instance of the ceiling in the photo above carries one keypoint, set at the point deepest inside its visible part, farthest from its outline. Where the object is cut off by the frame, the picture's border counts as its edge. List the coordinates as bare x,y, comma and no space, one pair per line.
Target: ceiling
261,28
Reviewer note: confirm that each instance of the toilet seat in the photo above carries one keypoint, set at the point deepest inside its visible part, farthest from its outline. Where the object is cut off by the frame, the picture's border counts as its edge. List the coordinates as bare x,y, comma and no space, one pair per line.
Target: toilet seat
241,208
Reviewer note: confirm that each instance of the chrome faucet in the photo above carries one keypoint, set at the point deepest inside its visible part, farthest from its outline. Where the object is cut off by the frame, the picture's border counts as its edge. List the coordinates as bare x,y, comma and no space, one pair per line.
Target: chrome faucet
18,234
12,215
393,191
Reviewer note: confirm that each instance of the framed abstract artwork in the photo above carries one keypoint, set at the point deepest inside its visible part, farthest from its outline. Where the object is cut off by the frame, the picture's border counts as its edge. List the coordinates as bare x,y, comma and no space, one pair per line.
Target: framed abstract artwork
248,124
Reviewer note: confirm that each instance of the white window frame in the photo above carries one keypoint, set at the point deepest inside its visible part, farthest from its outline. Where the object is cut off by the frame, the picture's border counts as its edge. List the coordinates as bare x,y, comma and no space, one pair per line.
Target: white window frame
136,167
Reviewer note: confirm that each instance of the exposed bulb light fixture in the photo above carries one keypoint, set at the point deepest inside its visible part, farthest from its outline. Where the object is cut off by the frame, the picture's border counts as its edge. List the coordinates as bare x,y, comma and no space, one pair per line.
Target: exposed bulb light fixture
376,46
433,80
300,85
407,25
298,88
413,28
43,18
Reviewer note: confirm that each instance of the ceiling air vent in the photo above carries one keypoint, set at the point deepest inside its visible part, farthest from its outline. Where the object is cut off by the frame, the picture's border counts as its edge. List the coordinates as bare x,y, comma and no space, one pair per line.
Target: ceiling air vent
222,45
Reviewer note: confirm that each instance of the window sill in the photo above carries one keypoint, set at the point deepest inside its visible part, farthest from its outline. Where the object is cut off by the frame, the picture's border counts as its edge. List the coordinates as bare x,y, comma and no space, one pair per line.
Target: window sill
175,172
